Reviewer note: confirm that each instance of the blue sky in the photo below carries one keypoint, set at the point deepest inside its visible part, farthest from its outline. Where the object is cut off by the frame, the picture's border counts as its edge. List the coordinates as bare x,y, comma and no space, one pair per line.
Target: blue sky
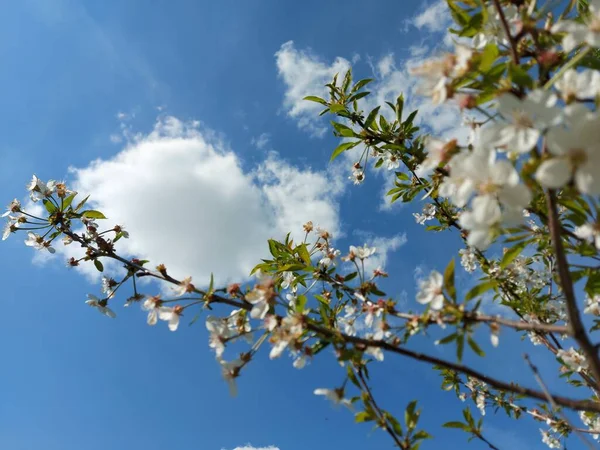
123,83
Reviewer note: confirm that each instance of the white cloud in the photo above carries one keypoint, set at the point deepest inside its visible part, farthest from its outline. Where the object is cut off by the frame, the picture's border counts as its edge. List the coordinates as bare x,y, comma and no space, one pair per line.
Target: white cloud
433,18
250,447
305,74
386,65
187,202
261,141
384,245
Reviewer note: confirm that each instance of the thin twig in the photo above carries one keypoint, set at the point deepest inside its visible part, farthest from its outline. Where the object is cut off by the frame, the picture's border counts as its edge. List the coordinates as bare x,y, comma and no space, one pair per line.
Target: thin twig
538,378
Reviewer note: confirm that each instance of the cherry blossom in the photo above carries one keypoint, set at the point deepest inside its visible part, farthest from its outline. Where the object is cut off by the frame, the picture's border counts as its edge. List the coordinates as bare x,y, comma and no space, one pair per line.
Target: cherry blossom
576,33
576,154
100,306
574,85
526,118
430,291
589,232
170,315
336,396
12,208
573,360
428,213
493,31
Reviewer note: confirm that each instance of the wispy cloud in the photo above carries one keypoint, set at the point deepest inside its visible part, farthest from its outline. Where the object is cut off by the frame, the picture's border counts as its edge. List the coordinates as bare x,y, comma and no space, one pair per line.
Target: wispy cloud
305,74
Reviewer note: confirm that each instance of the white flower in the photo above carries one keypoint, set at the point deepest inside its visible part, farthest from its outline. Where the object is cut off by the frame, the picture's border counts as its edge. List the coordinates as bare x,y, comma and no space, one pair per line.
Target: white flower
574,85
429,211
358,176
438,151
185,287
152,305
36,241
336,396
589,232
576,155
391,161
493,30
480,402
362,252
549,439
592,305
259,299
170,315
230,371
13,207
39,190
526,118
430,291
468,259
578,33
572,359
107,286
287,279
437,74
100,305
480,221
329,258
591,421
10,227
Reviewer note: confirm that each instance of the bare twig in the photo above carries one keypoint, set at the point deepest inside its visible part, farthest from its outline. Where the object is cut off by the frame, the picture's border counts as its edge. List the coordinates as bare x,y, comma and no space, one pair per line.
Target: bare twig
538,378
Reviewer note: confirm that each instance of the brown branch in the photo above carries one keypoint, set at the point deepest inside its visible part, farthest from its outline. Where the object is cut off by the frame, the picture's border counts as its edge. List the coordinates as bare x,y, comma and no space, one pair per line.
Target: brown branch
513,45
382,418
580,405
576,327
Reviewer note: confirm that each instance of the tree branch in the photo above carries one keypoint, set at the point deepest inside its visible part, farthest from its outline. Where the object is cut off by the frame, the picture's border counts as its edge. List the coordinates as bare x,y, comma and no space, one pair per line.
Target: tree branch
576,327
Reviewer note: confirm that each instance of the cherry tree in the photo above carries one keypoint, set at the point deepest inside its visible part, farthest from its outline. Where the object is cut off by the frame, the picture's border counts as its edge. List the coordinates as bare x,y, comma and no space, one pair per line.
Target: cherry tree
525,184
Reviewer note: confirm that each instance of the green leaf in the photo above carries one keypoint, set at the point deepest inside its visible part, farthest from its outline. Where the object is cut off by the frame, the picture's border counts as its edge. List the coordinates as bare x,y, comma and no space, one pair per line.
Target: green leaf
347,80
411,117
449,280
488,57
399,108
518,74
211,285
363,416
336,108
361,84
371,117
93,214
81,203
343,130
358,96
447,339
459,425
411,416
98,265
49,206
422,434
475,347
512,254
342,148
67,201
350,276
476,291
312,98
303,253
